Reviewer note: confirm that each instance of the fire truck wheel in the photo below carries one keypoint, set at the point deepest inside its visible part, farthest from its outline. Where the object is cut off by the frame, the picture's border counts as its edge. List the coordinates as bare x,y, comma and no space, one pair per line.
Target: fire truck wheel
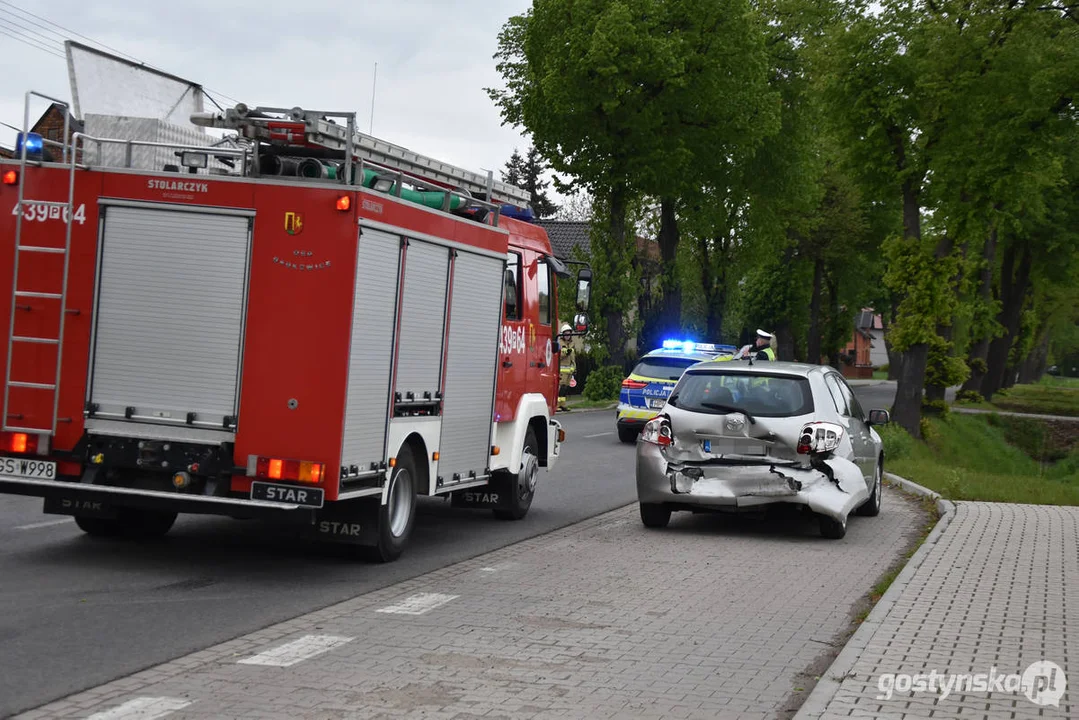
396,517
130,523
521,486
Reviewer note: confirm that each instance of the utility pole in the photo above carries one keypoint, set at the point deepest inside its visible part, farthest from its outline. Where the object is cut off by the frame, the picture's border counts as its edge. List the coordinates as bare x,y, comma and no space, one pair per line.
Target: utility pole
371,127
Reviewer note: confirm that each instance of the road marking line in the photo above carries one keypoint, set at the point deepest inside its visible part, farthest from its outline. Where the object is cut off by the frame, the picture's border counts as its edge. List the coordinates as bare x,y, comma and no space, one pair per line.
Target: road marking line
142,708
47,523
589,437
418,604
301,649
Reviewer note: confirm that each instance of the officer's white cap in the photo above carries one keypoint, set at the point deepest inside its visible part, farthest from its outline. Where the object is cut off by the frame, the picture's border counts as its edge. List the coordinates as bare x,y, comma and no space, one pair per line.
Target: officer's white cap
763,334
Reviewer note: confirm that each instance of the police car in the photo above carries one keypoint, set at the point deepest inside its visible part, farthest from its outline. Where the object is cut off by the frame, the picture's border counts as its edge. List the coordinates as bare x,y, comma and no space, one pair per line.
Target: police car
646,389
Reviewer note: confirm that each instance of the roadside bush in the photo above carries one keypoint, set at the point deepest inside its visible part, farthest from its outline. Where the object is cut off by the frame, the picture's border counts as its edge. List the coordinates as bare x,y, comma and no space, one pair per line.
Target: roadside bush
898,443
939,408
969,396
604,383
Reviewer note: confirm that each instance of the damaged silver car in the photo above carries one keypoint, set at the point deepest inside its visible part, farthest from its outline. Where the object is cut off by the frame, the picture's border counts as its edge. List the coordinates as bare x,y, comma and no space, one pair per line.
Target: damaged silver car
741,435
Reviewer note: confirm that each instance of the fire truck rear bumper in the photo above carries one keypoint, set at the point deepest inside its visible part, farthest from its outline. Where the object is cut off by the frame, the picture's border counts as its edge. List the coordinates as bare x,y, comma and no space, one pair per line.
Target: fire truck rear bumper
72,498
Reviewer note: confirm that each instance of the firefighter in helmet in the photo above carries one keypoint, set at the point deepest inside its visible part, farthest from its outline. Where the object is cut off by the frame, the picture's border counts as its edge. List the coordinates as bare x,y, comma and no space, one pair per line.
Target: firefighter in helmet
567,365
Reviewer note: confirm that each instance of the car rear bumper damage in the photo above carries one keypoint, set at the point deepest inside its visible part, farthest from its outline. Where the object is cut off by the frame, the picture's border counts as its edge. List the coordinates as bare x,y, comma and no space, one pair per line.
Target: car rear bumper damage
748,485
73,497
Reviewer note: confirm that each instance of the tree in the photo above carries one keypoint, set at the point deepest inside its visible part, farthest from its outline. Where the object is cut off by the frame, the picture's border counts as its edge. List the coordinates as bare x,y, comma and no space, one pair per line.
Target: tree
624,97
532,181
514,170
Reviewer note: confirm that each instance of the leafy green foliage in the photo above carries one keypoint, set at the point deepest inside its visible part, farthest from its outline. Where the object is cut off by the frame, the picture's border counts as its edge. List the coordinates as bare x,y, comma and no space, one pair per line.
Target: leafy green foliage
604,383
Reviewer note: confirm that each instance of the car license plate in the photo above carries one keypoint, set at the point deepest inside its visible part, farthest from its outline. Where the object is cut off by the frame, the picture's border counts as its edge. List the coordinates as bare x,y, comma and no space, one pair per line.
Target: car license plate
733,447
290,494
656,402
27,468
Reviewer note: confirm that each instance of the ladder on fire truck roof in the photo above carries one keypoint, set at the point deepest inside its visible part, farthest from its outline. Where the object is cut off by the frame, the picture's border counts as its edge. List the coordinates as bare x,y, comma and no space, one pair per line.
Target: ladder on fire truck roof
61,210
298,130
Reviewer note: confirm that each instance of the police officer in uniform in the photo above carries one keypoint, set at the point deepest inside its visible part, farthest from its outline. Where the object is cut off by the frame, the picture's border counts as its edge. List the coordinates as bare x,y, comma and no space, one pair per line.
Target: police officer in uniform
764,348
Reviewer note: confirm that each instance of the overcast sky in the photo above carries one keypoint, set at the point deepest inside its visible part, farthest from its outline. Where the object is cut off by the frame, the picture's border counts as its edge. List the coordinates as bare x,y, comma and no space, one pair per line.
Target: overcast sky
434,59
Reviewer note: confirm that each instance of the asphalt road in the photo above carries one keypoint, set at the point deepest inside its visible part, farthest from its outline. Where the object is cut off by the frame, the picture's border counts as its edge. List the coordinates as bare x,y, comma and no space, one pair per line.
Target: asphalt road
76,612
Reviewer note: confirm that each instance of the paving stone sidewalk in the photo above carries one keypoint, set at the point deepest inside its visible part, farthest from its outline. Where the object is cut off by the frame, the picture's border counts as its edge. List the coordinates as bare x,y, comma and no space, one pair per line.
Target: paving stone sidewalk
997,591
712,617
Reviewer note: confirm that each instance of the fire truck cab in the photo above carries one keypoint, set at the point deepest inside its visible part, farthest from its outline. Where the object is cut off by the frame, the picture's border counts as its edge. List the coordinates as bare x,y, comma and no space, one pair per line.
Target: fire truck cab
305,323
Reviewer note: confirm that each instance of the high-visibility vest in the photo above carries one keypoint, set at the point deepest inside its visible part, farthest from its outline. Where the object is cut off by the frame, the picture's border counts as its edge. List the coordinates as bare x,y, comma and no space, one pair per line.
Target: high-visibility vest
770,352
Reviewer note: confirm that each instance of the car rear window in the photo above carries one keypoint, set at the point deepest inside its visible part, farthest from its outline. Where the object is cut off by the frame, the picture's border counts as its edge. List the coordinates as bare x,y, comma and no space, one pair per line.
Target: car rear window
663,368
761,395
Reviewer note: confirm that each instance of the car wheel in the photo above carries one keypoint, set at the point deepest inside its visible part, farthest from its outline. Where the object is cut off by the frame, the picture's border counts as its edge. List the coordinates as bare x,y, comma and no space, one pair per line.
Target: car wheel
99,527
129,523
521,486
831,528
628,435
395,519
871,507
655,516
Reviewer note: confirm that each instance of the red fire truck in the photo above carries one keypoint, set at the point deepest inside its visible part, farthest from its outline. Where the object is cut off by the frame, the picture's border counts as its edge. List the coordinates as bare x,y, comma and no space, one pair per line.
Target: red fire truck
302,322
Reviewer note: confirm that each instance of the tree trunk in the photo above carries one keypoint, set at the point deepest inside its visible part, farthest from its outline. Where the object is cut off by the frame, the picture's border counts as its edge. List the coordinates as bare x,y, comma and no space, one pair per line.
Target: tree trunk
714,283
936,392
835,327
1013,293
911,378
813,341
979,350
1033,366
615,336
670,314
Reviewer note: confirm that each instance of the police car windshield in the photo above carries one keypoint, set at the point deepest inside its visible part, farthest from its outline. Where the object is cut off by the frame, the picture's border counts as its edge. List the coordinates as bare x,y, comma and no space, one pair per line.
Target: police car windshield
719,393
663,368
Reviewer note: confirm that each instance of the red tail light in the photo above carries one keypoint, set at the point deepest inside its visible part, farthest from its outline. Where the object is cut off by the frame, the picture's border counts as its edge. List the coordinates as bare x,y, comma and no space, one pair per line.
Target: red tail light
21,443
633,384
11,177
282,469
658,431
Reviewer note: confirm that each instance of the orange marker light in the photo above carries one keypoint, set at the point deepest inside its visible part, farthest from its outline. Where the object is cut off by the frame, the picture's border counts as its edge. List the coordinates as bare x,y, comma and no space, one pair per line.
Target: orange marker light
276,466
19,441
344,202
11,177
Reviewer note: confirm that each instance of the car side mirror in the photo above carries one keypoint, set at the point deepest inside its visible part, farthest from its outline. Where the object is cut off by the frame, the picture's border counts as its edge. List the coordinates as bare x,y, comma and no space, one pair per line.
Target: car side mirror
879,417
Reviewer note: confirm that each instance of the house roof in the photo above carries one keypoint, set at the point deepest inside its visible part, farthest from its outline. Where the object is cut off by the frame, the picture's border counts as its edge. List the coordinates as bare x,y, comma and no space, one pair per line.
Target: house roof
868,320
565,235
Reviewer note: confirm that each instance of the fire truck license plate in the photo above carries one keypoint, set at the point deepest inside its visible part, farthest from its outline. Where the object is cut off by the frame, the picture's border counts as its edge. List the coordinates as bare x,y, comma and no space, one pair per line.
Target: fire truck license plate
311,497
22,467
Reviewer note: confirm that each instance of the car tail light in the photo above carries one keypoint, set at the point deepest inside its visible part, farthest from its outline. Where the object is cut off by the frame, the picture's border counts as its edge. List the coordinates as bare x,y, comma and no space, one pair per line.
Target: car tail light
658,432
819,437
22,443
282,469
633,384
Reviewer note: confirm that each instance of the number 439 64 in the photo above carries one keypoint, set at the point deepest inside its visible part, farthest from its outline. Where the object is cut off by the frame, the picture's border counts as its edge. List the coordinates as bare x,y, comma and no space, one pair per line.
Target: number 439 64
39,212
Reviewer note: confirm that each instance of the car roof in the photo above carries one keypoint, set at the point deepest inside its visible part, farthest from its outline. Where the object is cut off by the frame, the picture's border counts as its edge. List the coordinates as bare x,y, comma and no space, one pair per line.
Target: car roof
676,353
760,367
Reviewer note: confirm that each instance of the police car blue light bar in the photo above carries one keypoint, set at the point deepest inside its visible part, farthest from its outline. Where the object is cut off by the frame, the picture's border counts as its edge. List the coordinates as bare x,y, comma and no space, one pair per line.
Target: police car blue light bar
691,346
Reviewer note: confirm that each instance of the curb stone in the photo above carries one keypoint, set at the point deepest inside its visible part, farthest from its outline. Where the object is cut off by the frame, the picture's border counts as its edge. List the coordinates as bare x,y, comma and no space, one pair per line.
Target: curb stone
817,703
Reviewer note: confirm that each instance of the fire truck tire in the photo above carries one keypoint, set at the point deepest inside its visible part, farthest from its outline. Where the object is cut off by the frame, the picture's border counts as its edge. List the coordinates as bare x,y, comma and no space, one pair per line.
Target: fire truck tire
129,523
520,486
396,518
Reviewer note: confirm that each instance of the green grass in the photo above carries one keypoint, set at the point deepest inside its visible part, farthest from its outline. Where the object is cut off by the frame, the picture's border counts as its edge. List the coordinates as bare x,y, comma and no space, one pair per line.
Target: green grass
969,457
880,374
1049,396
